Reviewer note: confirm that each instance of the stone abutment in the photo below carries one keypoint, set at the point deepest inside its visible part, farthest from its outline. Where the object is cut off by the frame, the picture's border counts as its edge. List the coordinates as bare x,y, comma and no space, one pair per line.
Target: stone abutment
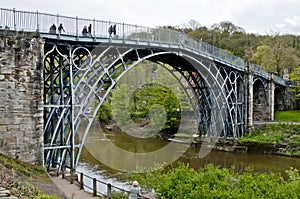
21,95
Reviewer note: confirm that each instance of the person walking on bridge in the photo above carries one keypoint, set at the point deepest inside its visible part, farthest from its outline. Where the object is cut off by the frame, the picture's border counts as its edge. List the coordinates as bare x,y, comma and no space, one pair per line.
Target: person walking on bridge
60,28
90,30
84,31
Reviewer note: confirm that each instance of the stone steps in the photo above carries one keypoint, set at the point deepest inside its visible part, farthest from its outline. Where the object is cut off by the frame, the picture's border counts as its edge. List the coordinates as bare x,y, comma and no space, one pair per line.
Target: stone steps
5,194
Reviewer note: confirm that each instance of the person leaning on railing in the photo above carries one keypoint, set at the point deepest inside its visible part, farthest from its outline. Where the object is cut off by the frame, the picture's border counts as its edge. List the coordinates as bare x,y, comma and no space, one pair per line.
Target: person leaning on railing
135,191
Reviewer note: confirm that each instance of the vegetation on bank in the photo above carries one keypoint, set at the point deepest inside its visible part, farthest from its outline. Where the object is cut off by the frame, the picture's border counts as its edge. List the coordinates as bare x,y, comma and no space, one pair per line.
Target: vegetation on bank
287,116
214,182
26,181
285,135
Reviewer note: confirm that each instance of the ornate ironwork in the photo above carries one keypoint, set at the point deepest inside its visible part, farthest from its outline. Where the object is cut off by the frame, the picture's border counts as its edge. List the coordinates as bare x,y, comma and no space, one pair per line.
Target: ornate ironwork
75,78
77,74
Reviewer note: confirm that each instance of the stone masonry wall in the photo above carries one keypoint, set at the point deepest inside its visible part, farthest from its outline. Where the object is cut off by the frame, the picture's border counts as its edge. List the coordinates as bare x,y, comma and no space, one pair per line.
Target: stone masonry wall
21,96
261,110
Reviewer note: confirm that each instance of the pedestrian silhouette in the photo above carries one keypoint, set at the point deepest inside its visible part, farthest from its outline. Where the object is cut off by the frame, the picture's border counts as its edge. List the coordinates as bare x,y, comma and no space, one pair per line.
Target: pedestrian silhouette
90,29
114,30
110,30
84,31
60,28
52,29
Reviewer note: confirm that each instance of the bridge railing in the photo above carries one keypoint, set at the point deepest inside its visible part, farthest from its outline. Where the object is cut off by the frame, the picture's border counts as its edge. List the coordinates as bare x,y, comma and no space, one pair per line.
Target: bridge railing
41,22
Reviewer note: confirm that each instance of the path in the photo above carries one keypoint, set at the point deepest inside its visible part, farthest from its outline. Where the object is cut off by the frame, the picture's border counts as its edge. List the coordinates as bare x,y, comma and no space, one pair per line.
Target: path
264,123
71,191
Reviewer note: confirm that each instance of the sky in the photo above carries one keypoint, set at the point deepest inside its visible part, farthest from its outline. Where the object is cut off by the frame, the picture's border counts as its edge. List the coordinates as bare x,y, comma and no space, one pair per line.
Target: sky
255,16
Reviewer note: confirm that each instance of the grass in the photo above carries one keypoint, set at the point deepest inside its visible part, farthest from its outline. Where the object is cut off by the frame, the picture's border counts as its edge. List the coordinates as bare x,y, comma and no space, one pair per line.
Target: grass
276,134
287,116
26,181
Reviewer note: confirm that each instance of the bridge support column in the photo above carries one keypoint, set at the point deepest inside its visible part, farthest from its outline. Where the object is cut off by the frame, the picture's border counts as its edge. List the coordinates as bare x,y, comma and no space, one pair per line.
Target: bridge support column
21,96
248,96
271,98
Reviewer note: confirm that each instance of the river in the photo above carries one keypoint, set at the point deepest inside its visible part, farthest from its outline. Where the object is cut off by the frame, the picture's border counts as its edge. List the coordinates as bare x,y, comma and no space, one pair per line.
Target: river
119,149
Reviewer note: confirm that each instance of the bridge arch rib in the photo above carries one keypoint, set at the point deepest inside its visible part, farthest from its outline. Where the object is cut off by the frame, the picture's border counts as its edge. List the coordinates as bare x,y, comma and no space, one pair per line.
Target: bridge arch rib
76,76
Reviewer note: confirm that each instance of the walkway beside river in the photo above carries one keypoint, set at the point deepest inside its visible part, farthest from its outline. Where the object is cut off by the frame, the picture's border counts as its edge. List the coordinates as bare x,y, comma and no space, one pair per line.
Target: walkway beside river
71,191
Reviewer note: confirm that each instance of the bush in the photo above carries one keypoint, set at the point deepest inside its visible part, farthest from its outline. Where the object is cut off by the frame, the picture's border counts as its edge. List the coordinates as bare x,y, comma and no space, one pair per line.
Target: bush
213,182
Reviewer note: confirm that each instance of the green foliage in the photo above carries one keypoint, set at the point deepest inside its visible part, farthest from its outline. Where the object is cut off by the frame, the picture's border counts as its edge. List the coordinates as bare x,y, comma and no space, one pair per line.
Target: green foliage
104,114
119,195
20,178
295,76
276,134
274,52
149,96
213,182
21,167
271,134
119,104
287,116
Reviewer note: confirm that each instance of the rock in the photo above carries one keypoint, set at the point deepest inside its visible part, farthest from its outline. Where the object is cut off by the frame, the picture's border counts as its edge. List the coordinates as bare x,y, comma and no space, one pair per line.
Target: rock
5,194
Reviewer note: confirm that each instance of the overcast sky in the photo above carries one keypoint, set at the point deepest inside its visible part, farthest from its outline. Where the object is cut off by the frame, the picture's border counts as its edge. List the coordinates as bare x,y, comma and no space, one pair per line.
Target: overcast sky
255,16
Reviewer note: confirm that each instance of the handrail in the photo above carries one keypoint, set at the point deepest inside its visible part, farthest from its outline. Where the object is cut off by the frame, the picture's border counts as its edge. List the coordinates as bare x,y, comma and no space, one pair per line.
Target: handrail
41,22
94,189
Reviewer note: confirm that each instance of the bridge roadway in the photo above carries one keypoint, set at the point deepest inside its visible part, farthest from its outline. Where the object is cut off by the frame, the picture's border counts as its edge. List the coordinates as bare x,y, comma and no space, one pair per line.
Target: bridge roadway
181,42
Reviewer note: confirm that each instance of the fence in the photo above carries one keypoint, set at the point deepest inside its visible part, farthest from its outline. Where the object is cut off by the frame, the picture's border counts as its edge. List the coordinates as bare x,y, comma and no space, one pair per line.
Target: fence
41,22
93,185
94,188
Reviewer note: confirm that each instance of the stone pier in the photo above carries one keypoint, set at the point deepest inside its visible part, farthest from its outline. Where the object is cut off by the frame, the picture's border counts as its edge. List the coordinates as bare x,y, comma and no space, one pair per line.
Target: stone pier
21,95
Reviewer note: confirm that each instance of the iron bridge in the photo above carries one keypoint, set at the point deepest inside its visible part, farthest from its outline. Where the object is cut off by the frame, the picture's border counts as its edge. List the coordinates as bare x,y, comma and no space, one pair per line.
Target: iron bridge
81,70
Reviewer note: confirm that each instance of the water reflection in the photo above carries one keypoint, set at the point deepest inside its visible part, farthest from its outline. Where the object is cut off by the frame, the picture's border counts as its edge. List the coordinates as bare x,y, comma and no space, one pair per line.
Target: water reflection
126,153
96,147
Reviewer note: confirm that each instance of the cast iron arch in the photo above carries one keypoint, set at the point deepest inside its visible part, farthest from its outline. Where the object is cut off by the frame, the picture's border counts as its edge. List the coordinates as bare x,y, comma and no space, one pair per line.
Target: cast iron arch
98,71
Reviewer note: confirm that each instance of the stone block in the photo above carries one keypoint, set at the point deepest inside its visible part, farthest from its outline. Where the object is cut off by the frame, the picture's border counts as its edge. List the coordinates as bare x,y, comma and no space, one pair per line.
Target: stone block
3,128
5,71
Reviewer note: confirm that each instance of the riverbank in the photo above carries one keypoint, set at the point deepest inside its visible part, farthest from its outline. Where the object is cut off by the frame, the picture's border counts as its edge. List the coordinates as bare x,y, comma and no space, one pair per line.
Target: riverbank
24,180
272,139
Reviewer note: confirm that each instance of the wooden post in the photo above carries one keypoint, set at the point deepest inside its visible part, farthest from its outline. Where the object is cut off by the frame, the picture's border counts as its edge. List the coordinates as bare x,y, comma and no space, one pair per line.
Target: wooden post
71,176
94,187
109,191
81,180
63,172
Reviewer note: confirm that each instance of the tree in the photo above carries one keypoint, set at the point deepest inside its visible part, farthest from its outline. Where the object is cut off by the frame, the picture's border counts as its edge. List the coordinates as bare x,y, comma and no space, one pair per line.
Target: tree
192,25
295,76
227,27
276,54
119,104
